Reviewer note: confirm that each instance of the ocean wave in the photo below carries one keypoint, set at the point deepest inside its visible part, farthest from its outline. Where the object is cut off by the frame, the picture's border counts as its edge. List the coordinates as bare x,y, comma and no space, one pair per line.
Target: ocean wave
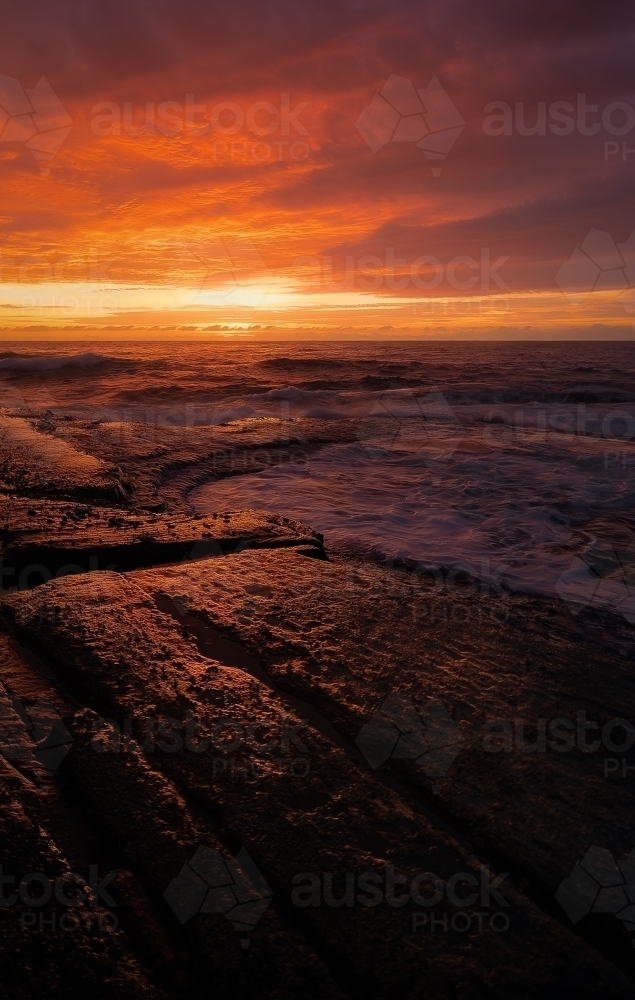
295,364
290,393
534,396
46,363
232,414
598,394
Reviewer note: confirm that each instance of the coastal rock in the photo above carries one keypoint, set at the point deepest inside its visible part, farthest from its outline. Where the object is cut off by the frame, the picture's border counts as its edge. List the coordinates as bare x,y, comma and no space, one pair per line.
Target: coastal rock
35,463
107,642
40,539
47,948
491,678
164,458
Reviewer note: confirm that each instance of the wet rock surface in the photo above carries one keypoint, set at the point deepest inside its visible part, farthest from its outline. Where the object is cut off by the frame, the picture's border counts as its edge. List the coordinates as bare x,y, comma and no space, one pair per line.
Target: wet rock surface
521,759
41,539
307,777
37,463
160,462
108,643
48,948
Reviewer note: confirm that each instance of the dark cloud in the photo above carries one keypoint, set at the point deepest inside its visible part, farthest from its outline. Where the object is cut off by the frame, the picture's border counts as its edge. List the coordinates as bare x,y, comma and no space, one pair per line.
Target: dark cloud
532,197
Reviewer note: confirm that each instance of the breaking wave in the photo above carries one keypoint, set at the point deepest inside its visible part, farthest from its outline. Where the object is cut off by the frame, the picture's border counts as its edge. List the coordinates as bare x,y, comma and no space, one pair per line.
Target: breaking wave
47,363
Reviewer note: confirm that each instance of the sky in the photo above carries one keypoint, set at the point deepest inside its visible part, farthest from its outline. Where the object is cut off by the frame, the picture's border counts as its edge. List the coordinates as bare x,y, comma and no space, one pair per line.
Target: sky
335,169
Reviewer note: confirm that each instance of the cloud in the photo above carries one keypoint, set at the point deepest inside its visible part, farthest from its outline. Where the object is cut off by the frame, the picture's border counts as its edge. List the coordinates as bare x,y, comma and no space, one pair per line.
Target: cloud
125,195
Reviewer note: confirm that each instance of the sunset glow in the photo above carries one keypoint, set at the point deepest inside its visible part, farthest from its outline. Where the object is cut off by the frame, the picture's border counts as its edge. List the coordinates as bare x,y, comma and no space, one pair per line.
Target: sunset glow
317,483
226,178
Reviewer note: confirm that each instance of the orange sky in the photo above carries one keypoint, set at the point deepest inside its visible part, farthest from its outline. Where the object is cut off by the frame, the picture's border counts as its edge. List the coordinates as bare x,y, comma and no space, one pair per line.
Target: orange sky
257,204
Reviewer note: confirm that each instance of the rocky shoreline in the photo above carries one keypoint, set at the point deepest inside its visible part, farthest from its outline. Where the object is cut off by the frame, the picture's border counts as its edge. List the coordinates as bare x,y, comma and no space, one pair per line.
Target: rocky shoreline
258,738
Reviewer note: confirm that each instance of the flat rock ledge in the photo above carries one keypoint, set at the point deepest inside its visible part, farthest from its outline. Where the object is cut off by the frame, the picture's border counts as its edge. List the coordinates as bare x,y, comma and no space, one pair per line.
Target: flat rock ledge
283,767
198,774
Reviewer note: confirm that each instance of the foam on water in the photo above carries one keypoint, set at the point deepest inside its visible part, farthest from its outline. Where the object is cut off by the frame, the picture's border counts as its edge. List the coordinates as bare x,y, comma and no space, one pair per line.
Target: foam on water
509,513
508,460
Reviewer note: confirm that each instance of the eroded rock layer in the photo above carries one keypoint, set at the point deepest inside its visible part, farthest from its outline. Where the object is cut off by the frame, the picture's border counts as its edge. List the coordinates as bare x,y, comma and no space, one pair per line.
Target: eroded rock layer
111,648
299,777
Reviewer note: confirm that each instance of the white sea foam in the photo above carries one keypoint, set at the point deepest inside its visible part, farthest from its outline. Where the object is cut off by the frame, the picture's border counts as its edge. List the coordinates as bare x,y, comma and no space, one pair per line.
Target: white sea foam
498,459
290,393
502,513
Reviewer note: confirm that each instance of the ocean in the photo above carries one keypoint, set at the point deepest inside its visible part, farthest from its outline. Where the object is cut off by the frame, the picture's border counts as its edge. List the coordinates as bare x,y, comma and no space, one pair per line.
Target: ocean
514,462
